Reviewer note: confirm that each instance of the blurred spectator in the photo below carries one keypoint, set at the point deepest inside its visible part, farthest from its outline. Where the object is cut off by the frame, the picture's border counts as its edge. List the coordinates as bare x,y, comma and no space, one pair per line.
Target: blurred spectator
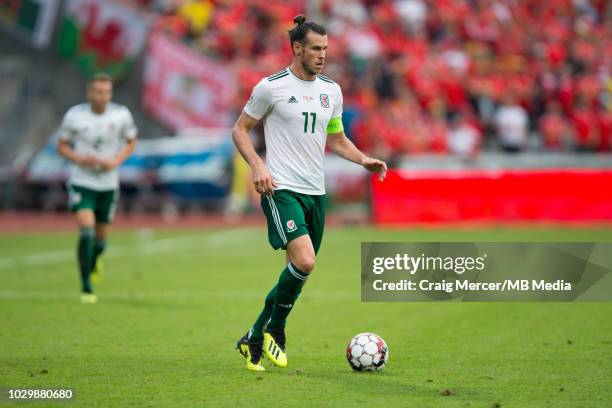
586,127
556,130
413,12
512,125
463,137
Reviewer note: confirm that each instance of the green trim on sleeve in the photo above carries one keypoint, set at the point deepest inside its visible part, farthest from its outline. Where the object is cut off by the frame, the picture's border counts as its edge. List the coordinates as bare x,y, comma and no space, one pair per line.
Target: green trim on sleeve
335,125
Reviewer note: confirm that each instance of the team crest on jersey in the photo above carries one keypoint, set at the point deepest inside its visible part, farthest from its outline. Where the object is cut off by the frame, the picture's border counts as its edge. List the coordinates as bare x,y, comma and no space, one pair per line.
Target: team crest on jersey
291,226
324,100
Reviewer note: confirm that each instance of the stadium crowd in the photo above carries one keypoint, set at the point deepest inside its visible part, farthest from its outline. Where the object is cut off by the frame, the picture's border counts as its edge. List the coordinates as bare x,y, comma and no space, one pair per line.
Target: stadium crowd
446,76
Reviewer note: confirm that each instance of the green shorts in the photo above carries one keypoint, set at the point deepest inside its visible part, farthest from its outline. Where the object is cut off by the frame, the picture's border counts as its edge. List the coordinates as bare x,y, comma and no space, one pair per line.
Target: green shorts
291,215
102,203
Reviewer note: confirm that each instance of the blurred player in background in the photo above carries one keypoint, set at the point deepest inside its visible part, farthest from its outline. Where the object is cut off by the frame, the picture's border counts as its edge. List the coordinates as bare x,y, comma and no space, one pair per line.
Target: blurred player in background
302,112
96,137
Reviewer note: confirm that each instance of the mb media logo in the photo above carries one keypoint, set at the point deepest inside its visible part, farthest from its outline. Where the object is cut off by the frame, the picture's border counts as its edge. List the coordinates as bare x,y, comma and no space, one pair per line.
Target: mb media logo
292,100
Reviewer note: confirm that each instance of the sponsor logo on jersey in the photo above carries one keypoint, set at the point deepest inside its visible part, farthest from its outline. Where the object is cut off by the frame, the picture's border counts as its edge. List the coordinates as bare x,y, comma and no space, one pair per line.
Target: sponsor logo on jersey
324,100
308,98
292,100
291,226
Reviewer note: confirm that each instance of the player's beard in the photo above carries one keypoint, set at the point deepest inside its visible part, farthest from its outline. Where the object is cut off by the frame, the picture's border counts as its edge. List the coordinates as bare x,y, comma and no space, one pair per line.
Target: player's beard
307,69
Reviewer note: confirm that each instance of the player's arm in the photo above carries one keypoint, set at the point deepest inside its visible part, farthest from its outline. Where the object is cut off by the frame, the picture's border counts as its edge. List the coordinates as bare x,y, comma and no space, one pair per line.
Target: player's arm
262,179
343,147
122,156
65,149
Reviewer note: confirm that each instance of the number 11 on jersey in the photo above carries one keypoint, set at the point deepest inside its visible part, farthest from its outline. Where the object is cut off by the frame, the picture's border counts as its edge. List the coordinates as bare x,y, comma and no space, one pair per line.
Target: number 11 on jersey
314,121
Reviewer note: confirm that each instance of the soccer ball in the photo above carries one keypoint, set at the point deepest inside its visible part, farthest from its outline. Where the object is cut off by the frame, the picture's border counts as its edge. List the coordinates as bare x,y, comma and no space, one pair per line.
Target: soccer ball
367,352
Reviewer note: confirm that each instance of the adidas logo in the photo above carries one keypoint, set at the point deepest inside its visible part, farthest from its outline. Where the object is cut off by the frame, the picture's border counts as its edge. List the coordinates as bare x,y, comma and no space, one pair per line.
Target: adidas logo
292,100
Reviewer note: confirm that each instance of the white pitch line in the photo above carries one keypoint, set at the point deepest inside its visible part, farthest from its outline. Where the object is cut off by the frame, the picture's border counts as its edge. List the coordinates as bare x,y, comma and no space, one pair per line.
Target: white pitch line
149,247
46,258
174,295
190,243
7,263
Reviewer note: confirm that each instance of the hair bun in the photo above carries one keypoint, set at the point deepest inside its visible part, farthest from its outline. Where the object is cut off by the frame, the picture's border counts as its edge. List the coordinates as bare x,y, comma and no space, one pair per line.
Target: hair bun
299,19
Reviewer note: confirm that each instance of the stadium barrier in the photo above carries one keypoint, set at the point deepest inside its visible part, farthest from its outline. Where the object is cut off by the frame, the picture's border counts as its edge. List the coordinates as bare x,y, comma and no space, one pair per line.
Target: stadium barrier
433,196
184,169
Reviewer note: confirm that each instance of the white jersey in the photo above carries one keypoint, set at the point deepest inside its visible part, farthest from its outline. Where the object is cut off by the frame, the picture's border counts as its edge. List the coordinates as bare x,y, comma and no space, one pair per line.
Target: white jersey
100,135
296,114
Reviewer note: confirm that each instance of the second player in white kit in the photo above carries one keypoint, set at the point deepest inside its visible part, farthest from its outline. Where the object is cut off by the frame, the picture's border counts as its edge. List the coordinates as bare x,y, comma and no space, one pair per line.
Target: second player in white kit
96,137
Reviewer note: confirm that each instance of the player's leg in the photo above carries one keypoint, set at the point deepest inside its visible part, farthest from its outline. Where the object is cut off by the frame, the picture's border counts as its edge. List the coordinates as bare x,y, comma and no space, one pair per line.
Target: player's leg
104,212
301,263
251,344
82,203
290,283
281,229
277,236
99,246
256,331
287,210
100,243
301,254
86,220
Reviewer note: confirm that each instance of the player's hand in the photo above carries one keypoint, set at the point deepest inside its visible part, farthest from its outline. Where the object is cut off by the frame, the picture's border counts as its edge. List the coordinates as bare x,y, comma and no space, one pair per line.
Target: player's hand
262,180
87,161
375,166
108,164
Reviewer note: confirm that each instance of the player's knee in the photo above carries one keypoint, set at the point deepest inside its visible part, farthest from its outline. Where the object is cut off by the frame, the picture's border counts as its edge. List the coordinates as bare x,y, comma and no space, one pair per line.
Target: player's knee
305,264
86,218
85,222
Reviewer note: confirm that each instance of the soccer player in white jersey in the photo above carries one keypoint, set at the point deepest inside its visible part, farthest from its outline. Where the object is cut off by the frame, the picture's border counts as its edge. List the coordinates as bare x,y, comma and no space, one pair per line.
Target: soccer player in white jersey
301,112
96,137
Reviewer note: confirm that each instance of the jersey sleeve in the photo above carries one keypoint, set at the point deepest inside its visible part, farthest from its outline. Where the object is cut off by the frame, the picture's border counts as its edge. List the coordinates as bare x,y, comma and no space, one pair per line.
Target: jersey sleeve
260,101
337,112
67,130
129,129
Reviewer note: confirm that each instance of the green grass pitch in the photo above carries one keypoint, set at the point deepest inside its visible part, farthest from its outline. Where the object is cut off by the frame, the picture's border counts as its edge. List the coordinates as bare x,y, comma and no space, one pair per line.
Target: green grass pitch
173,304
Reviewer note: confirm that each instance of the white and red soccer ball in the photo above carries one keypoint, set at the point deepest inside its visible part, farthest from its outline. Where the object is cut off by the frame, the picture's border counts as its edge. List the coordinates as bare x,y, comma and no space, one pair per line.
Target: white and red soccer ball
367,352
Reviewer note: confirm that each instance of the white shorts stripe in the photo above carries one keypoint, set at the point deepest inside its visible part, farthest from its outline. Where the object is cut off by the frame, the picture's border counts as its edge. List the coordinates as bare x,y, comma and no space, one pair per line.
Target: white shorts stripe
280,223
274,216
277,219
